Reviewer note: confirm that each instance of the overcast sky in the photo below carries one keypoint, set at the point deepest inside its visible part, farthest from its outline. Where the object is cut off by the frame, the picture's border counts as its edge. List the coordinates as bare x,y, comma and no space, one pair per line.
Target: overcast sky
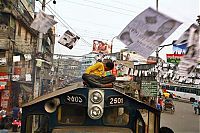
105,19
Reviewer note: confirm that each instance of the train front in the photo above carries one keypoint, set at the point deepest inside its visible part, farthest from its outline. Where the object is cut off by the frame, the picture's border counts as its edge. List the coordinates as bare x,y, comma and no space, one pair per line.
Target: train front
93,110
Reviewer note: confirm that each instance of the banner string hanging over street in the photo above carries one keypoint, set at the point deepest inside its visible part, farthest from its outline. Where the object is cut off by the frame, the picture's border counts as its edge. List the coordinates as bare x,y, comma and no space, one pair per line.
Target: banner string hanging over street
43,22
147,31
68,39
192,56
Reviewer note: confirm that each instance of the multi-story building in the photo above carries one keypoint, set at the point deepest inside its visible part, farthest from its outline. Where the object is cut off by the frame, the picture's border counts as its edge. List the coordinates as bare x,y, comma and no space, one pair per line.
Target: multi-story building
67,69
87,60
18,53
17,41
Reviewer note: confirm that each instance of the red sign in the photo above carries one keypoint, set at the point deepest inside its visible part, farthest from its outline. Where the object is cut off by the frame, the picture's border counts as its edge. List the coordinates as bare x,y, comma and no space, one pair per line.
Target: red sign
101,47
174,58
17,71
2,87
3,76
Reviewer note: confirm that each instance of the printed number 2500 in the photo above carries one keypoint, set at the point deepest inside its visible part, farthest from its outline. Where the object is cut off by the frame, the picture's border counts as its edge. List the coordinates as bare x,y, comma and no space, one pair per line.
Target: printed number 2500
116,100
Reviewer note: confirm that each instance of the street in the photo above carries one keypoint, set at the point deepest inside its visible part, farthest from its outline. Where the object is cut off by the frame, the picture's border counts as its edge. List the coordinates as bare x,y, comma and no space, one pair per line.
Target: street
183,120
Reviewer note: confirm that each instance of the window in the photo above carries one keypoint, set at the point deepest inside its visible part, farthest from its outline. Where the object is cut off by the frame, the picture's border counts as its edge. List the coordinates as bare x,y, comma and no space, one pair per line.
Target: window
19,30
26,35
151,122
145,115
118,116
37,124
73,115
140,126
198,92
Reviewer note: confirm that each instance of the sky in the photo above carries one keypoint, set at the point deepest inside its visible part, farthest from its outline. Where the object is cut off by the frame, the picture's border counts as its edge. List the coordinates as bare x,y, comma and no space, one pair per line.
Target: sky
105,19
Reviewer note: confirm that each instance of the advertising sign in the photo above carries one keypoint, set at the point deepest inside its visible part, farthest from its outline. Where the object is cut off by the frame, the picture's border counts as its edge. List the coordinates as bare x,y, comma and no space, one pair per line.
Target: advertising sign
174,58
147,31
68,39
101,47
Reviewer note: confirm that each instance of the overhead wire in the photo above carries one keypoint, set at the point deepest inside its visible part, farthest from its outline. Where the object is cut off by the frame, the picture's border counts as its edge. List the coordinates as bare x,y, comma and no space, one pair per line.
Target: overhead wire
72,2
110,6
65,23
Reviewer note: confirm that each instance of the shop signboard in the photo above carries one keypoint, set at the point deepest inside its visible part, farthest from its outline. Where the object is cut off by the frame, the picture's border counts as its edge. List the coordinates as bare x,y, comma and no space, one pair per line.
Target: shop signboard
149,88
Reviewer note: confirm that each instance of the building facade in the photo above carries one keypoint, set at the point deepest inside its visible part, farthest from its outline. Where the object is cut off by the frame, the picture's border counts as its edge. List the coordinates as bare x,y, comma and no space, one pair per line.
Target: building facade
19,53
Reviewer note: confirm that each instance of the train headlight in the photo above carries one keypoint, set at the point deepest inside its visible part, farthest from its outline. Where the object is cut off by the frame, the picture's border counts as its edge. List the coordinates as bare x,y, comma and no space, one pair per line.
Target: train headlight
95,112
95,103
96,97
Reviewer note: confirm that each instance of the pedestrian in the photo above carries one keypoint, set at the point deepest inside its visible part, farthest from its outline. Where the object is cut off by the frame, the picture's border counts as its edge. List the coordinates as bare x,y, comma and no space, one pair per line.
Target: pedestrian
160,101
95,75
195,106
15,112
165,130
158,106
2,118
199,108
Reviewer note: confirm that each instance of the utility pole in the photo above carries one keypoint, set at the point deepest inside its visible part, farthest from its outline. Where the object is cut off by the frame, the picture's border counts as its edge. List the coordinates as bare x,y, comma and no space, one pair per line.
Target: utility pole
157,62
37,84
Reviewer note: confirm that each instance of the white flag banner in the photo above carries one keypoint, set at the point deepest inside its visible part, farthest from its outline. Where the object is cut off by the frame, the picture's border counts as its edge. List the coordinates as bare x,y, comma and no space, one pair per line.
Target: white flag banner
68,39
192,56
147,31
16,58
28,77
27,57
43,22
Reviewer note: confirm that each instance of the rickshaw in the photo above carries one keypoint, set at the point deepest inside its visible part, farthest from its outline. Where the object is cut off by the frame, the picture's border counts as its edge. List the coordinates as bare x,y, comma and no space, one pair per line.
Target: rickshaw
169,105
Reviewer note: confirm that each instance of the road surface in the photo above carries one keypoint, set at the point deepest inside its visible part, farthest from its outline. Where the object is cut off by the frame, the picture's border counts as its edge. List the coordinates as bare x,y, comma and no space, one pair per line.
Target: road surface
183,120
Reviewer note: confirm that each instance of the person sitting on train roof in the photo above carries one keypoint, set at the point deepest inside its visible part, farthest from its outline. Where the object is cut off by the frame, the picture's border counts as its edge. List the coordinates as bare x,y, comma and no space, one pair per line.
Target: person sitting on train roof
95,75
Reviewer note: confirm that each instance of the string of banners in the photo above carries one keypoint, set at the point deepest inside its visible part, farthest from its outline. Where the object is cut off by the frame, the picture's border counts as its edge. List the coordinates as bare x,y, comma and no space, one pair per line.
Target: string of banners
44,22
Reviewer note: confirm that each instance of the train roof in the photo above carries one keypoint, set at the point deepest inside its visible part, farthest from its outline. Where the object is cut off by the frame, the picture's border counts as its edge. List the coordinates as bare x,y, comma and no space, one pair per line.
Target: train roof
54,93
70,88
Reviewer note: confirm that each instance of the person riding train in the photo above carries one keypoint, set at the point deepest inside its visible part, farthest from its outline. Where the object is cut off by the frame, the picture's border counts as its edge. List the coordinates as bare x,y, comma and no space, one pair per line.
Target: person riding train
95,75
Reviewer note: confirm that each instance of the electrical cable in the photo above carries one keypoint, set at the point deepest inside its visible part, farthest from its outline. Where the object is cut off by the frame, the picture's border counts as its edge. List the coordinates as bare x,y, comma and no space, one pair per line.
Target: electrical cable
109,6
67,24
72,2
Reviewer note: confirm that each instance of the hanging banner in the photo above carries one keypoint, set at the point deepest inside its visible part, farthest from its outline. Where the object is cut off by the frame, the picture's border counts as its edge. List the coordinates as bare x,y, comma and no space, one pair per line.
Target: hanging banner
192,56
2,61
147,31
3,76
68,39
15,77
16,58
43,22
27,57
133,57
101,47
28,77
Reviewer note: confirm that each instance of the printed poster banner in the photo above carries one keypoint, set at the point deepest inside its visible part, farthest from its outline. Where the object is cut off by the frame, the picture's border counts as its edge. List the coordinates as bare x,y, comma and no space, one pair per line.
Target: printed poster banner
133,57
192,56
147,31
43,22
101,47
68,39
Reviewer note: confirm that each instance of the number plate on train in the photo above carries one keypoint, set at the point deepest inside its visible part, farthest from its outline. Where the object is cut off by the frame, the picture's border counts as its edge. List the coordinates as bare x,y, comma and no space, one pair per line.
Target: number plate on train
115,100
71,98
